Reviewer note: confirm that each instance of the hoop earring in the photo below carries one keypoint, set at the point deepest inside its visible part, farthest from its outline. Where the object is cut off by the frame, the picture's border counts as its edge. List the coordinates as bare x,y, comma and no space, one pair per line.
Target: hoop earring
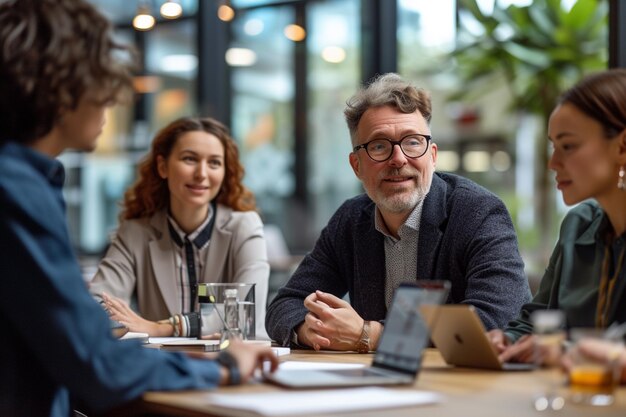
621,182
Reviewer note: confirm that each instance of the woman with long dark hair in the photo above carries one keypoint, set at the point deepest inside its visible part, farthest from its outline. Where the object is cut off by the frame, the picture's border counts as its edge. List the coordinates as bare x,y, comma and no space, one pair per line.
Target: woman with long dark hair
585,278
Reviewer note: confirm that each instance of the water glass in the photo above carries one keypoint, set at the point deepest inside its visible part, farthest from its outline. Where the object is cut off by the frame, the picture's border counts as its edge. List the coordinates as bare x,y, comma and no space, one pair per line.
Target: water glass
211,304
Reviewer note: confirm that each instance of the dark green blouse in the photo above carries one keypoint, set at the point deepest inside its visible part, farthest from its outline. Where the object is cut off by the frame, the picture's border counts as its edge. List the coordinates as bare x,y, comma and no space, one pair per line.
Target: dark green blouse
572,278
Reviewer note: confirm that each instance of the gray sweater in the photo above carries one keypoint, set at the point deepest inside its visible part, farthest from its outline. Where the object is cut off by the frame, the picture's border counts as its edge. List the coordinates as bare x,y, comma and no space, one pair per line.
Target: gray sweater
466,237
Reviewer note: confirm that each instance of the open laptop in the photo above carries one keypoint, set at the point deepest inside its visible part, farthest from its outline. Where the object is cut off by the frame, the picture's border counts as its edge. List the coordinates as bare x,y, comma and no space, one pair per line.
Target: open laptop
399,354
461,338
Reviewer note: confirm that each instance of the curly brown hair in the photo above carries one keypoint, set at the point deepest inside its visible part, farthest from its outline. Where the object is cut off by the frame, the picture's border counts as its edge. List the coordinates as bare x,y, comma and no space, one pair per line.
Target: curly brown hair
151,193
52,52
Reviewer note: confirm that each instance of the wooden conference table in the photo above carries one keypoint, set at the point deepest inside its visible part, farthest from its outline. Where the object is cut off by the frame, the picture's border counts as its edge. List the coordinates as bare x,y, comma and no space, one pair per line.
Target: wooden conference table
467,392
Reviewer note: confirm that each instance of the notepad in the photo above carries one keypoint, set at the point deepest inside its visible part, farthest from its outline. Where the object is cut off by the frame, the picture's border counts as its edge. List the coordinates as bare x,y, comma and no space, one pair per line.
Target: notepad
142,337
317,402
201,345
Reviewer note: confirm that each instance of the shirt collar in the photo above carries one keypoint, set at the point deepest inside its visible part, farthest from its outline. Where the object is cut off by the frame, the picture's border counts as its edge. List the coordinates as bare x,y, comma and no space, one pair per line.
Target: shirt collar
412,222
200,237
50,168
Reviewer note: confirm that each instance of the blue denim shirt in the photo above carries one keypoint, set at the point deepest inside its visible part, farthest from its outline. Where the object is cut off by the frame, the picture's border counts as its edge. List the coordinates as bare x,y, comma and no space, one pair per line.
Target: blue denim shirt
57,346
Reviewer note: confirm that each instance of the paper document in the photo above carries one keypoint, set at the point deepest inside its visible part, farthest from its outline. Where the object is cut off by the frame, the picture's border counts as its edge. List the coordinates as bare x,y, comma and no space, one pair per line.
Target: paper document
161,340
281,351
287,403
143,337
203,345
318,366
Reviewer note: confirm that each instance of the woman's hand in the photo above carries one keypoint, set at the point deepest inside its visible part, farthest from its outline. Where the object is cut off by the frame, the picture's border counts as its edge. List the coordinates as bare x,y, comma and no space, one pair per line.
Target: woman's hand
521,351
598,350
120,311
498,340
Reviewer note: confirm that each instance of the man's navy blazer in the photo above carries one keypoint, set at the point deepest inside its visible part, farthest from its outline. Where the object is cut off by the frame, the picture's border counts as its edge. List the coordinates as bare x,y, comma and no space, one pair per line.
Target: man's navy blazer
465,236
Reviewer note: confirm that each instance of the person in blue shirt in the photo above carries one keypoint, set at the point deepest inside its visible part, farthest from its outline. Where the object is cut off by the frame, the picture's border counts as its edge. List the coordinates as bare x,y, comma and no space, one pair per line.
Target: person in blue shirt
59,70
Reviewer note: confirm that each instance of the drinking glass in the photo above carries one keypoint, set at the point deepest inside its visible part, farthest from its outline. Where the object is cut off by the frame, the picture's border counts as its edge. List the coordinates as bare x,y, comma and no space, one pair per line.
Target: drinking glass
211,303
549,335
592,381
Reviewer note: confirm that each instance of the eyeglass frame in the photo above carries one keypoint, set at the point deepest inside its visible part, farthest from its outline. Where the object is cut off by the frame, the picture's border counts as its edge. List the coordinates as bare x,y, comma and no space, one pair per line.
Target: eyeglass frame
394,143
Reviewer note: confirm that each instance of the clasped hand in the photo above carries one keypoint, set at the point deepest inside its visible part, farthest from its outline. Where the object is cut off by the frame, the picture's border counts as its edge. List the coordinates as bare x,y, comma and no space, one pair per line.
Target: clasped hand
331,323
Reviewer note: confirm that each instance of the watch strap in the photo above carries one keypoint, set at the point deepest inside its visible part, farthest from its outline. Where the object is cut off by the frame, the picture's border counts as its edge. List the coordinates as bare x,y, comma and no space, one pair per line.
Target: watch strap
363,345
228,361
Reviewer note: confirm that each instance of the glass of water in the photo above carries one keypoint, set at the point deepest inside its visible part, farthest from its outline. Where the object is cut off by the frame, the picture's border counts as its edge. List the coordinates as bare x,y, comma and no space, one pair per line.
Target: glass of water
211,298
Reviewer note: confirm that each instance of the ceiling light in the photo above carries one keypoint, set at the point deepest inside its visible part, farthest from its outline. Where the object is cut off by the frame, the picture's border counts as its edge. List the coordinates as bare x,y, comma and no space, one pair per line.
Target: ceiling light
240,57
179,63
225,12
143,20
171,9
295,33
334,54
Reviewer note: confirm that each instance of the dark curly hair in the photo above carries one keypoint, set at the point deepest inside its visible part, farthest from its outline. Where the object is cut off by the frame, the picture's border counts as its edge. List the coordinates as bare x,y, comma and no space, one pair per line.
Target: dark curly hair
51,53
151,193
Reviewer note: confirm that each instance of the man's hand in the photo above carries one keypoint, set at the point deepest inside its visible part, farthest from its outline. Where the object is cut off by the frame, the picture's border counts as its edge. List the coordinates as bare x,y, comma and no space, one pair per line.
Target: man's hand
249,358
331,323
120,311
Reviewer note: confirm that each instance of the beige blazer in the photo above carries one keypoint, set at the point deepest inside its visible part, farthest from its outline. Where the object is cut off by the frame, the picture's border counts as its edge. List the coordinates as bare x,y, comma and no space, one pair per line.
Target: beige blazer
140,267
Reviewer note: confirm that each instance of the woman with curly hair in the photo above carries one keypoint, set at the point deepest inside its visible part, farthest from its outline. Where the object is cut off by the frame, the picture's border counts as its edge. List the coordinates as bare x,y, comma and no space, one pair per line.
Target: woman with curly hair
187,220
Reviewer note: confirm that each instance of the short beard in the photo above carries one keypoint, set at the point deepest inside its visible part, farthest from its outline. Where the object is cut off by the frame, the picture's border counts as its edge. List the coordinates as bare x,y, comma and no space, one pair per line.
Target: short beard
398,204
402,204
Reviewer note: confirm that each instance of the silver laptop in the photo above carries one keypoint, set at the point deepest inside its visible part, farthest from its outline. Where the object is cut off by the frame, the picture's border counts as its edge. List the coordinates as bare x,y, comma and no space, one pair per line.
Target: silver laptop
461,338
399,354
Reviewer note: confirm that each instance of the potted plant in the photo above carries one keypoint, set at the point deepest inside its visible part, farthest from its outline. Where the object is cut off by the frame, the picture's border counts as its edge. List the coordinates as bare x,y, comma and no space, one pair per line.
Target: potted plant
535,52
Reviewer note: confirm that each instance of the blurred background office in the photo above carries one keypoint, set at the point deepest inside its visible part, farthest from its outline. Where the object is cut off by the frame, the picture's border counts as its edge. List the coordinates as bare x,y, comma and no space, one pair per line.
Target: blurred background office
279,73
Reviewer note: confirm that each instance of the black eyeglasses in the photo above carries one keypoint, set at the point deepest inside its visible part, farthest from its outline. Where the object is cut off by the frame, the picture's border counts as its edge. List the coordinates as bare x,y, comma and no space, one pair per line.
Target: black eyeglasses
412,146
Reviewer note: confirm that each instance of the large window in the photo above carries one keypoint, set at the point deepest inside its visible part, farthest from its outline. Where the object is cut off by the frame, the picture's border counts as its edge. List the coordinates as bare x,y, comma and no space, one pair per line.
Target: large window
284,99
262,78
493,73
334,62
280,145
165,86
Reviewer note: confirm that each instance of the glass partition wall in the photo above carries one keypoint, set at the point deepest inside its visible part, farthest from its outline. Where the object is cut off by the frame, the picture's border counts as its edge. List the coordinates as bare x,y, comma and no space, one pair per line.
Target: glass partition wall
287,104
279,72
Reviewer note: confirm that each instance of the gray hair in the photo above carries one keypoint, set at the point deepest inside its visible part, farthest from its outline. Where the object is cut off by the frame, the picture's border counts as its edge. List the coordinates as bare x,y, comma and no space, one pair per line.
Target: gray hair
386,90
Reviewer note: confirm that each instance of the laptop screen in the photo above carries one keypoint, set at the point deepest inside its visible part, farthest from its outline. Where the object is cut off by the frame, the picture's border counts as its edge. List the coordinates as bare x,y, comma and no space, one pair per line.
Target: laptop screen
406,331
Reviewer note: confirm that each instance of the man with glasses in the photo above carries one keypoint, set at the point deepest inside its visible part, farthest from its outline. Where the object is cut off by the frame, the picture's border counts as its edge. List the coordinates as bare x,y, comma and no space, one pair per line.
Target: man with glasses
412,224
